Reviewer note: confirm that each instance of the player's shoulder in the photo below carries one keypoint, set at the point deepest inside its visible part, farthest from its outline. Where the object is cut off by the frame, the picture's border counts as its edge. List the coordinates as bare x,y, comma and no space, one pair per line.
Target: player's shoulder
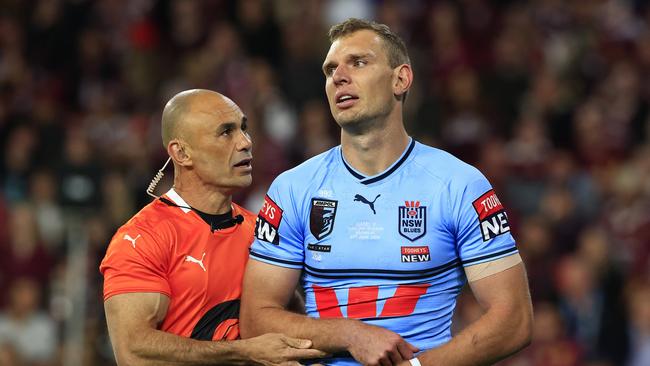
311,169
445,166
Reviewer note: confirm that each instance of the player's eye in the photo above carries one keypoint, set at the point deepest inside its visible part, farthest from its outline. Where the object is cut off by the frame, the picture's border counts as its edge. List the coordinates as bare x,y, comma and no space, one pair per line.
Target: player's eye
359,63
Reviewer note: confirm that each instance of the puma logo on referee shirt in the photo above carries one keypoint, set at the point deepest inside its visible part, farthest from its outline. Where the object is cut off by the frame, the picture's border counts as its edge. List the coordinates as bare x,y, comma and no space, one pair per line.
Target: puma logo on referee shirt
362,199
132,240
191,259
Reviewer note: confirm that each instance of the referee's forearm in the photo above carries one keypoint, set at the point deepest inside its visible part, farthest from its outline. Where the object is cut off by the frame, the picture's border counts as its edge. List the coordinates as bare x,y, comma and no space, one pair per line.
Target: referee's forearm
157,348
329,335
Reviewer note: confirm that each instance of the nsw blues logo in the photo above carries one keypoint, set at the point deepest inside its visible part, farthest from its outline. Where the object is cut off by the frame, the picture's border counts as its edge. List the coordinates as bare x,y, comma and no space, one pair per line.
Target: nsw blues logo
321,217
412,220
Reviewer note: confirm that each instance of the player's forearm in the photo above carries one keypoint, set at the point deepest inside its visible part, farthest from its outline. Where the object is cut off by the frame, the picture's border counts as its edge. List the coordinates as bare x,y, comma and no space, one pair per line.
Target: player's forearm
154,347
494,336
329,335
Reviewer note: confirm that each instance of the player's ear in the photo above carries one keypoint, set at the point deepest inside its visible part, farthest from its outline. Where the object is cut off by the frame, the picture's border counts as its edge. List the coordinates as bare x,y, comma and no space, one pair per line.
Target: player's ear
179,153
402,79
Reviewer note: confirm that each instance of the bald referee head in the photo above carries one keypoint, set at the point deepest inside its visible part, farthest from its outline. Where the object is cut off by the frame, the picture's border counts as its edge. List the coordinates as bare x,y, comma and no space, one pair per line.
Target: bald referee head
205,134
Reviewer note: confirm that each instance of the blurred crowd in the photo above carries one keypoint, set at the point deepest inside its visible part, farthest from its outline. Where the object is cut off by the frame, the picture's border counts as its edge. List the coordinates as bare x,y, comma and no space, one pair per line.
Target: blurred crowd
549,98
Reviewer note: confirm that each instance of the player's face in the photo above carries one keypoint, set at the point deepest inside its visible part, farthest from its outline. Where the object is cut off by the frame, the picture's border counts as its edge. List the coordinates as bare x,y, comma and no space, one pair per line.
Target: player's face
220,147
359,79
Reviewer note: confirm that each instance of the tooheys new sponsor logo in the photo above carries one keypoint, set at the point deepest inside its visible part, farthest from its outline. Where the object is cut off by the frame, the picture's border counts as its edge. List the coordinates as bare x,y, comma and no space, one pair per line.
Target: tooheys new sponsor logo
491,215
268,222
415,254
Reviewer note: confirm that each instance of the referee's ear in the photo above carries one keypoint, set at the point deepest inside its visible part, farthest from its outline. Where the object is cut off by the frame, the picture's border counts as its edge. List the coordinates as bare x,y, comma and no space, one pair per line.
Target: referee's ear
178,152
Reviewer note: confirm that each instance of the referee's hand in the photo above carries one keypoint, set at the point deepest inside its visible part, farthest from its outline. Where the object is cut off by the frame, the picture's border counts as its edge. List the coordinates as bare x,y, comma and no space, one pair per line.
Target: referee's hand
278,349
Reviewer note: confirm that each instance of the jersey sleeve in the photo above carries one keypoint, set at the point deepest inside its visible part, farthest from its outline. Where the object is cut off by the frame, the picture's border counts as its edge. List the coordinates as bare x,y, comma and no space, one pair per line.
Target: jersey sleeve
278,234
480,223
135,262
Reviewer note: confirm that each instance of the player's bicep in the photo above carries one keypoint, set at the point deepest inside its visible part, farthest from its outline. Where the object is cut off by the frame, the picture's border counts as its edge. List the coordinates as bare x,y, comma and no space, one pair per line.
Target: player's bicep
129,315
505,292
266,286
485,269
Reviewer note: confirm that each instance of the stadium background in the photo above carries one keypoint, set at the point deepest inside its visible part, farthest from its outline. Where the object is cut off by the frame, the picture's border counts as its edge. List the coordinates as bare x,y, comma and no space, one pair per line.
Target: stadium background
549,98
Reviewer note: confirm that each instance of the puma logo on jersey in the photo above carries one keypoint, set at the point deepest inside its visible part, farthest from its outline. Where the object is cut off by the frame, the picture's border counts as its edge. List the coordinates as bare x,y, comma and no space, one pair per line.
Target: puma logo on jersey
132,240
191,259
362,199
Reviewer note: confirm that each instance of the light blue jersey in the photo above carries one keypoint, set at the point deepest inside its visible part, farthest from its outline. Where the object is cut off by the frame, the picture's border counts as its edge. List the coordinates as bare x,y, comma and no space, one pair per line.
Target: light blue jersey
388,249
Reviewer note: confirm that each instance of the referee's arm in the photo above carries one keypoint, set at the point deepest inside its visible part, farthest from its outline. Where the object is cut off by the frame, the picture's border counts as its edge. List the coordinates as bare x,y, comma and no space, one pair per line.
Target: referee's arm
133,319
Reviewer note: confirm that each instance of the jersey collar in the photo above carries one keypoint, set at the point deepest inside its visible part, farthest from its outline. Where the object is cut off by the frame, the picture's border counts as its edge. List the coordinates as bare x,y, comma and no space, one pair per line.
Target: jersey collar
173,196
178,200
368,180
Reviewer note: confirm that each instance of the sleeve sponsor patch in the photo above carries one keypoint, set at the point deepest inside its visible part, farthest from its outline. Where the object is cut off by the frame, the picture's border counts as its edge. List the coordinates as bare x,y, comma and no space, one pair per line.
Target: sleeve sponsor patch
268,222
492,216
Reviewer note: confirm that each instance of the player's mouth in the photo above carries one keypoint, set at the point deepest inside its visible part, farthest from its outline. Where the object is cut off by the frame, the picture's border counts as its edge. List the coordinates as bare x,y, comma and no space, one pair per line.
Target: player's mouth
244,164
345,100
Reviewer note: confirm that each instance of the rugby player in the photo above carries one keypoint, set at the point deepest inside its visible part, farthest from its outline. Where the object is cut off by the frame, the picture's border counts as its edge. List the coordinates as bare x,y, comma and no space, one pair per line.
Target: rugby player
383,232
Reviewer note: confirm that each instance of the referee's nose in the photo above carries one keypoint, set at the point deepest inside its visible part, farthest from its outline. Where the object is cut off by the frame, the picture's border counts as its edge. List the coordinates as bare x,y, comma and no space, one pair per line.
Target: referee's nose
244,142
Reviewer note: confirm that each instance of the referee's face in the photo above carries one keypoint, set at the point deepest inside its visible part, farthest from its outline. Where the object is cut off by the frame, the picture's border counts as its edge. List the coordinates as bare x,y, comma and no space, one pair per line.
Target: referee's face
358,80
219,145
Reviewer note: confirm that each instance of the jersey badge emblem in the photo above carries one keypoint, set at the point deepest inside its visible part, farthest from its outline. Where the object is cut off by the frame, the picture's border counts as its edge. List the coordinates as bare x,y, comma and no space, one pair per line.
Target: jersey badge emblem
412,219
321,217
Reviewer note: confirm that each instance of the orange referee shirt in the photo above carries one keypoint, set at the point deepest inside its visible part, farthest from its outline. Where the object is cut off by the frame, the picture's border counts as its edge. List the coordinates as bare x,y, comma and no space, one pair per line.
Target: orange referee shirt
171,250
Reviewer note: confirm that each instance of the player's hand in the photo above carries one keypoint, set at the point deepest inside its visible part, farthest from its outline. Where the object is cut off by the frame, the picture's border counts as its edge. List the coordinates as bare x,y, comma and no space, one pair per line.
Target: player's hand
372,345
279,349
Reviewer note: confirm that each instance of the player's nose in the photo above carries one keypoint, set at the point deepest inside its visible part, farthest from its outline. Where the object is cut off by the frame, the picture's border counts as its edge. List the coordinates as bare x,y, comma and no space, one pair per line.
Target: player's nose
340,75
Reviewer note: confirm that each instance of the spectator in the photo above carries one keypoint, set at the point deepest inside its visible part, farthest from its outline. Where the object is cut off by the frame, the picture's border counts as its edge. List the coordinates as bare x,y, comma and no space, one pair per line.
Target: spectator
24,327
638,295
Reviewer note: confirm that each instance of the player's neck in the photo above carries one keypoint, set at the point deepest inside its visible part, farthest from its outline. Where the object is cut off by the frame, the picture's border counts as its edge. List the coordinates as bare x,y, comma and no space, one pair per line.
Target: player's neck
375,150
202,197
